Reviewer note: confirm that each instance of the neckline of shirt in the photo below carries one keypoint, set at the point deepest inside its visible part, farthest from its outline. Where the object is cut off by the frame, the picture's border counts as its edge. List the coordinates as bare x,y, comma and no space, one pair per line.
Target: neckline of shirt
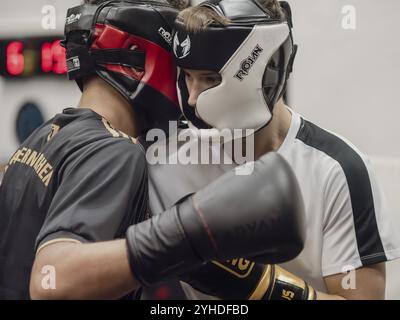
294,127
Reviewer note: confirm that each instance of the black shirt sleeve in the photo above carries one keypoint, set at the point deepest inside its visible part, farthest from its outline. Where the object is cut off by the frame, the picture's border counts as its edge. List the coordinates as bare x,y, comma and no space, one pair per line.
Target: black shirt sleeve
102,190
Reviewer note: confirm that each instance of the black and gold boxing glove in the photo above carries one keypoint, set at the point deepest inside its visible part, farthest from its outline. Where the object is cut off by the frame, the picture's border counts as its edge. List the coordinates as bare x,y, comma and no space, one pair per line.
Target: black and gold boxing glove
278,284
241,279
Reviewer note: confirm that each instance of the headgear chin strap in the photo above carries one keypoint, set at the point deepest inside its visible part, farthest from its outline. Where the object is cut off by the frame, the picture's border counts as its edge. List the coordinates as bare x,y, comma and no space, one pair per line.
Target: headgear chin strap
127,44
254,56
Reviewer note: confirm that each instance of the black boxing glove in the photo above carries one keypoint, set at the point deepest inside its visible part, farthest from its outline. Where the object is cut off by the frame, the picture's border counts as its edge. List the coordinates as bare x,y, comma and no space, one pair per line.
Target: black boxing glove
258,215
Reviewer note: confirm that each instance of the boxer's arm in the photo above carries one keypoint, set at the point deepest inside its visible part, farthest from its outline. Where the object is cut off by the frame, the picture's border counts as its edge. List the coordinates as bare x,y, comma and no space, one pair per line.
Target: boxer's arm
369,284
83,271
98,196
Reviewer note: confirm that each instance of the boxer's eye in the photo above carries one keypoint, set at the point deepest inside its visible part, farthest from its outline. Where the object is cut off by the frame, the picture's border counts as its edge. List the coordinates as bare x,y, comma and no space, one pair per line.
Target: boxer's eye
188,77
213,80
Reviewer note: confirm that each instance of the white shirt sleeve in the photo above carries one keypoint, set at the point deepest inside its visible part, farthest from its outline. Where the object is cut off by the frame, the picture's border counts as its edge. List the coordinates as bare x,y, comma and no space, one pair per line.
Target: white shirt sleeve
357,230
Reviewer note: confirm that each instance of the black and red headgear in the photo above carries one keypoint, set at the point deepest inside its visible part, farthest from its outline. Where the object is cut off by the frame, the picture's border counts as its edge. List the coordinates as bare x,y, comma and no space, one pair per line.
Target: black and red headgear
127,44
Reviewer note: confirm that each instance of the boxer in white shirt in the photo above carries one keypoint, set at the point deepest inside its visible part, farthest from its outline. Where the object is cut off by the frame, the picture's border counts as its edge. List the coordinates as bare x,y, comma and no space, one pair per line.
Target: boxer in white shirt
234,59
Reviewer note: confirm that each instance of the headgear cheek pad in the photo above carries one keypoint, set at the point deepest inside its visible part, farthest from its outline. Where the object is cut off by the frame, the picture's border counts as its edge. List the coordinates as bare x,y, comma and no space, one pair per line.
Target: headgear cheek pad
127,44
253,55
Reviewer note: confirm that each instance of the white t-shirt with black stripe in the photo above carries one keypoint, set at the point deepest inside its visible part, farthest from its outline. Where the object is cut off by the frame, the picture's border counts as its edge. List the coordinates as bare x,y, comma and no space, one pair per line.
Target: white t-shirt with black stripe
348,223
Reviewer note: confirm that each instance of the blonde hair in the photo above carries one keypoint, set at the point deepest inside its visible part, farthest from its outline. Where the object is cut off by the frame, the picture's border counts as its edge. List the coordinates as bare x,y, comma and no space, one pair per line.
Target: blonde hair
198,18
179,4
272,6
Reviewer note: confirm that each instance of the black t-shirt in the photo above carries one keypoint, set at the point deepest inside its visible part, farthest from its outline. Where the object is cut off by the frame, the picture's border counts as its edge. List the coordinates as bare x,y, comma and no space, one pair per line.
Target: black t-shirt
75,177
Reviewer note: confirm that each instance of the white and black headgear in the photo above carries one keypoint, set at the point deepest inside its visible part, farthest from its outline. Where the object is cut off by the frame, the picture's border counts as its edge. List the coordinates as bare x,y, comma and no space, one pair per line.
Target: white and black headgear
254,55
